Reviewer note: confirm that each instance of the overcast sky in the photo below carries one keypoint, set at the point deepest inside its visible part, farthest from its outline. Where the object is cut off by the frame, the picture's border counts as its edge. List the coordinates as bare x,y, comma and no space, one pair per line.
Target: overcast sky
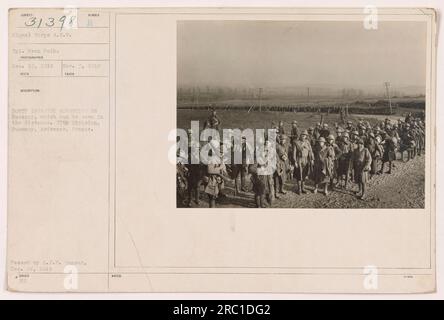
279,54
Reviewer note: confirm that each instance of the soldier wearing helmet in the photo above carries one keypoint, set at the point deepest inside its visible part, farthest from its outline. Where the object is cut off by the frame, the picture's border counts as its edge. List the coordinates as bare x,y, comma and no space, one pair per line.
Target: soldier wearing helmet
361,160
343,171
282,164
323,165
331,142
302,160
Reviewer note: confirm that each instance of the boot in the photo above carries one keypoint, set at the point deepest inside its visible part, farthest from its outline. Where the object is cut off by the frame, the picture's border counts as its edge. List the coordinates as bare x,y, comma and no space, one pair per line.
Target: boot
271,195
302,187
276,194
382,168
262,201
390,168
257,200
281,186
243,183
270,200
196,199
298,188
236,187
190,197
362,196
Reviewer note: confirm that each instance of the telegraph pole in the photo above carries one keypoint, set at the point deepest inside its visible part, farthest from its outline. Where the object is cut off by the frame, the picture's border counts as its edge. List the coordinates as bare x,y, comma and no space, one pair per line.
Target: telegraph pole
208,95
260,99
387,89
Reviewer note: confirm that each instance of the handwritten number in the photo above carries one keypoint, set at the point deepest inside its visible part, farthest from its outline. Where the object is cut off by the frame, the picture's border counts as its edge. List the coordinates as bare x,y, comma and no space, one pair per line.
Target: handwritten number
50,22
62,20
31,22
71,20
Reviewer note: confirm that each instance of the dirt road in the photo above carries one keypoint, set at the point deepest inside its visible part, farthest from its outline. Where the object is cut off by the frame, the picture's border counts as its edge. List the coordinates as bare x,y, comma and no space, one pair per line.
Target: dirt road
403,188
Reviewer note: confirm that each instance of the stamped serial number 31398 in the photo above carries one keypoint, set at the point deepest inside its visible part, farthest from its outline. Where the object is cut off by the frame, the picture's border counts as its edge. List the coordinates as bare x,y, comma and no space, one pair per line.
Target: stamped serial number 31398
51,22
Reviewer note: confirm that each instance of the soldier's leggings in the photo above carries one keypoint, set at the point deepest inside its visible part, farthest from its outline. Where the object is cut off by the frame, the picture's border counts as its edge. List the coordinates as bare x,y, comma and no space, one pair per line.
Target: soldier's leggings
259,200
194,191
278,183
390,166
212,201
243,174
374,166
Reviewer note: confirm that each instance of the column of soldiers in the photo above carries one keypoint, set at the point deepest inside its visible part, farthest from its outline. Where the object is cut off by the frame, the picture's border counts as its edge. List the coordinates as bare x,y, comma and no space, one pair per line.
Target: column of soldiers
329,158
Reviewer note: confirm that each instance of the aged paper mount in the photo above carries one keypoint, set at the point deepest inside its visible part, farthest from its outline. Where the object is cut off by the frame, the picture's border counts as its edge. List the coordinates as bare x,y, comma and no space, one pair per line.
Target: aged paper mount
92,197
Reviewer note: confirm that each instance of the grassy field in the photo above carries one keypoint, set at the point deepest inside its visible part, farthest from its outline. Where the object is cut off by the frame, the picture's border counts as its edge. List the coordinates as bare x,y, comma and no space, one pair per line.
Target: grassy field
264,120
364,105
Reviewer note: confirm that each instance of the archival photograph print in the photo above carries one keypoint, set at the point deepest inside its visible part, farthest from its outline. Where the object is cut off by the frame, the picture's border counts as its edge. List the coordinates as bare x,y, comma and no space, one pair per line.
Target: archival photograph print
301,114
